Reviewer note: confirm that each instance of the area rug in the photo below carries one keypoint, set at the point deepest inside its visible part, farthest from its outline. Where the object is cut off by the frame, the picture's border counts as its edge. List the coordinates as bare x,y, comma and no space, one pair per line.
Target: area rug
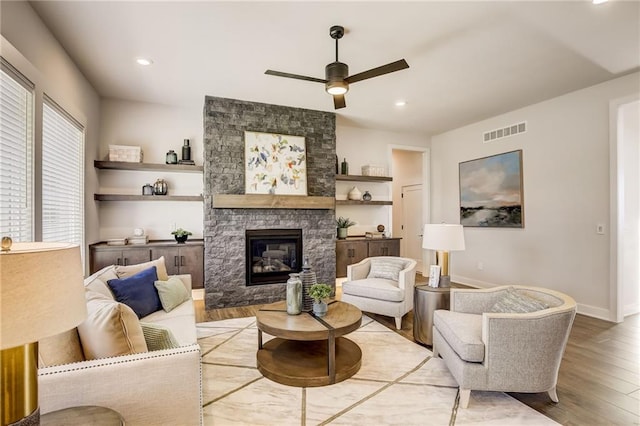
399,383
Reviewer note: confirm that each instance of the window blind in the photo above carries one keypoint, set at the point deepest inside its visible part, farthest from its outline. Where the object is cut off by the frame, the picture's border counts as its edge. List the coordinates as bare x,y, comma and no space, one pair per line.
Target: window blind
62,176
16,154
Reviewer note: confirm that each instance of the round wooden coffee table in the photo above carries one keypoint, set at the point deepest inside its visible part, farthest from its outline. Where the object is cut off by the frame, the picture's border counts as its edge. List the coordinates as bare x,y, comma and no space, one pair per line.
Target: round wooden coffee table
308,350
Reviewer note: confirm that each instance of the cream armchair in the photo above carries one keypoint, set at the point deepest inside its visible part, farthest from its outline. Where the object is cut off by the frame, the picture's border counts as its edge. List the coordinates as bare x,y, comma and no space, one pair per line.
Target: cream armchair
381,285
502,351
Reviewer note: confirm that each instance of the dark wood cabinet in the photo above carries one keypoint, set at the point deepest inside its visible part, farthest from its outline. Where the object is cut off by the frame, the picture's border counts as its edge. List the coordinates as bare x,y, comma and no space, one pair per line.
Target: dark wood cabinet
354,250
183,259
348,253
179,258
384,248
117,255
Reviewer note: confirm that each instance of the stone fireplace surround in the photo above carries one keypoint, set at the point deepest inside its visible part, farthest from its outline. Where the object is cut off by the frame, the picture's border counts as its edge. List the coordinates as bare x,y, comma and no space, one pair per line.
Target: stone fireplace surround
225,121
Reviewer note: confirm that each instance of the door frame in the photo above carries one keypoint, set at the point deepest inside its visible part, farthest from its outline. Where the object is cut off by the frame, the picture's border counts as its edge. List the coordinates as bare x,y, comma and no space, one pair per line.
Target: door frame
616,198
426,184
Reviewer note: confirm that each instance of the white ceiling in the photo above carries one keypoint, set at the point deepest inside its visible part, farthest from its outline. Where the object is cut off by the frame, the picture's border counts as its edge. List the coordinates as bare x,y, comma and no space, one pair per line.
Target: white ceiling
468,60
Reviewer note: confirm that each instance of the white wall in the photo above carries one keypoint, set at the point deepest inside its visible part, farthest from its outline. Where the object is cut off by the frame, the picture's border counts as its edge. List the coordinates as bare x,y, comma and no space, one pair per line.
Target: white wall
566,194
630,162
157,129
368,146
30,47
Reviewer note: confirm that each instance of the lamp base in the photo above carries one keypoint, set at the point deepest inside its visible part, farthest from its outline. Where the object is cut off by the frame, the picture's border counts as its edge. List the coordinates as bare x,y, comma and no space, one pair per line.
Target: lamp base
32,419
19,385
445,281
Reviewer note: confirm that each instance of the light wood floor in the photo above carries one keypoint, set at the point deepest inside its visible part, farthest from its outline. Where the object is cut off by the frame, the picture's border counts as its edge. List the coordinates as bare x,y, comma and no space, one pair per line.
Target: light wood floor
599,380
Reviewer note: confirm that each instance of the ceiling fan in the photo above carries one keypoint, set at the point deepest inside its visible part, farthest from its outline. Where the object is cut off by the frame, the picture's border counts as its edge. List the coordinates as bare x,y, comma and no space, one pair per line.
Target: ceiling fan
337,78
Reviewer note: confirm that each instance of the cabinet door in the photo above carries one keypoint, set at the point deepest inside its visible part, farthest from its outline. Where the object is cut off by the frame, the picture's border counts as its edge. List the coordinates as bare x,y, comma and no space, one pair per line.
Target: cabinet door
105,256
191,261
348,253
171,258
133,256
384,248
101,258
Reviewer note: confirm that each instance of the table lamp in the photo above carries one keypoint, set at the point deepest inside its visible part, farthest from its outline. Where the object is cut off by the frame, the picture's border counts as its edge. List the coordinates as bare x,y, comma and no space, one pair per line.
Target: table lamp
443,238
41,295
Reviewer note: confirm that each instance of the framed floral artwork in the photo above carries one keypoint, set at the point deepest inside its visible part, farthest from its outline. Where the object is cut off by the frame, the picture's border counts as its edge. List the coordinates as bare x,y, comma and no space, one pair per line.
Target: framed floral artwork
491,192
275,164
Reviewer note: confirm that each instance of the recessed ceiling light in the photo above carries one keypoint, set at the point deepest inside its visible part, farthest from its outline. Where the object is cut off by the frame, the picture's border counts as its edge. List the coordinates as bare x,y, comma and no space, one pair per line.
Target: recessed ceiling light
599,1
144,61
401,103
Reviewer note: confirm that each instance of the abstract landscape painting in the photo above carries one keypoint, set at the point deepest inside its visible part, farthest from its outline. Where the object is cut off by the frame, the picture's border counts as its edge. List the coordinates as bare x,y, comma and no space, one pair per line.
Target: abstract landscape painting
275,164
491,191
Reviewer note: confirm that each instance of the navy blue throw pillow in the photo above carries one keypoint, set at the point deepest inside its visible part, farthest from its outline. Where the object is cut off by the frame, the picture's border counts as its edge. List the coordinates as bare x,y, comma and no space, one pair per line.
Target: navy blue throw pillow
138,292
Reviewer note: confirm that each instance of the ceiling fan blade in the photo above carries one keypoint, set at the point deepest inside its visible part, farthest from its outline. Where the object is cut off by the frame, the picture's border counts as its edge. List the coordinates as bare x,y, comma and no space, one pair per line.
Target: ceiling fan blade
296,76
339,102
375,72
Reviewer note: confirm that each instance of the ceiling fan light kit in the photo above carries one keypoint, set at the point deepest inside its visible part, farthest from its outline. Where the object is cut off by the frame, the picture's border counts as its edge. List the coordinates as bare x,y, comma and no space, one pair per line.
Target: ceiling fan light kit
337,77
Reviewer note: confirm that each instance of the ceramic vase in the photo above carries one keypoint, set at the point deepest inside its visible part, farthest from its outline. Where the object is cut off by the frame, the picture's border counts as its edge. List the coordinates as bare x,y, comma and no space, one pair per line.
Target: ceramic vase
294,294
342,233
355,194
308,278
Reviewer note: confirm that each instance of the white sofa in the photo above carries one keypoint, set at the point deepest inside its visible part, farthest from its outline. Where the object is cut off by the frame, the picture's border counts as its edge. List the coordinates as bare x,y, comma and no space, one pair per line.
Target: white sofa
162,387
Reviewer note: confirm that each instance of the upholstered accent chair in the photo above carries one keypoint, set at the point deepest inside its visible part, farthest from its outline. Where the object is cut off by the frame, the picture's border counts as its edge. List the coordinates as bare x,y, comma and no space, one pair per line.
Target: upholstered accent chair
381,285
508,339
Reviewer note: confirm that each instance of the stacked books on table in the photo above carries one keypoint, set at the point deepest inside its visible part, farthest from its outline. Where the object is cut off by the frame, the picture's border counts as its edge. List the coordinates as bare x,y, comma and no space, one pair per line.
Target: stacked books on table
142,239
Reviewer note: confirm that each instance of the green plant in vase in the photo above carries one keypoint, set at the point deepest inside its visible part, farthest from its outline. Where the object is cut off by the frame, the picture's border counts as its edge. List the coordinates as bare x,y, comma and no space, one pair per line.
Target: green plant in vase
319,293
181,235
343,224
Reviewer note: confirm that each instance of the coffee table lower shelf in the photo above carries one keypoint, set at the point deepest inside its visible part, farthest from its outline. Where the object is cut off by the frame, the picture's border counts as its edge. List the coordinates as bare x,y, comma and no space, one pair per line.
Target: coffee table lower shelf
304,363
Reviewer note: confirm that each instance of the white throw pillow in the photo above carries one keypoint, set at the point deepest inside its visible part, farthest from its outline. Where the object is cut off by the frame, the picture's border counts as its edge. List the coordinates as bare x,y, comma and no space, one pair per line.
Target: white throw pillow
111,329
129,270
386,268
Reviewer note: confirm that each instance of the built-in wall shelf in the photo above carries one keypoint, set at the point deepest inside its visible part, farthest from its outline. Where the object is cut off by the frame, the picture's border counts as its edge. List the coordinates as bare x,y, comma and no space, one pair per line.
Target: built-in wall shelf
124,197
260,201
123,165
357,178
363,203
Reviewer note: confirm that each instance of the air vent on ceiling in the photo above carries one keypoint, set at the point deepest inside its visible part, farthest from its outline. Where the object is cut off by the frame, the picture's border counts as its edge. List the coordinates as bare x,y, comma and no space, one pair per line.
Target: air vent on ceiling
504,132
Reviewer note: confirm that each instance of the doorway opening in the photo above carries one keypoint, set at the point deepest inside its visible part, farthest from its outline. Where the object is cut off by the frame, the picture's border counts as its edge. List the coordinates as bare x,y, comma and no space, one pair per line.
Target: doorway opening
410,191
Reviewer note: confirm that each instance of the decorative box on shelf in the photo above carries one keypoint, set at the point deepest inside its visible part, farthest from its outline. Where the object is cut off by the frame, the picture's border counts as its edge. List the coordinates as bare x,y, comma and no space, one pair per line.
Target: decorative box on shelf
373,170
129,154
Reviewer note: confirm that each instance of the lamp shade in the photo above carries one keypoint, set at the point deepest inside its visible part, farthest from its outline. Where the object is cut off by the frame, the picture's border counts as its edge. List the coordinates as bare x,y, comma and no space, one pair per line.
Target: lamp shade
41,292
443,236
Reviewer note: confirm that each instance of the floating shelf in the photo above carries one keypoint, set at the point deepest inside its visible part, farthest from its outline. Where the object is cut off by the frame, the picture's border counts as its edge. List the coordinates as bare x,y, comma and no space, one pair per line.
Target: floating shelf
259,201
123,165
122,197
363,203
357,178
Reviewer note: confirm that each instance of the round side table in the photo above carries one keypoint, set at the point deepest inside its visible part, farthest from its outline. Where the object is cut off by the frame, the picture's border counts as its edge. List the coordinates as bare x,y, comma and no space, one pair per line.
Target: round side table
425,301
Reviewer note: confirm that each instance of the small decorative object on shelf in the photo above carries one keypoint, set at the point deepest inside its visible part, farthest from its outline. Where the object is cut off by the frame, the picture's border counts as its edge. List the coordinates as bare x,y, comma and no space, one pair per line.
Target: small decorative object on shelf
380,228
294,294
181,235
147,189
319,293
160,187
345,167
366,196
172,157
6,243
186,151
308,279
343,224
355,194
337,165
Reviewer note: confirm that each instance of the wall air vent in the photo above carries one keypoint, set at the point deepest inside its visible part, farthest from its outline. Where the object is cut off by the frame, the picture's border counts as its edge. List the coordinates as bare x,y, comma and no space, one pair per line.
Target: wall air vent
504,132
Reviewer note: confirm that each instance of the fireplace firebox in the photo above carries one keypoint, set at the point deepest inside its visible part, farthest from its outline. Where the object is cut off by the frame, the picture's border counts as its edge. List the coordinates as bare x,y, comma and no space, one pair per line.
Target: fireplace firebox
272,254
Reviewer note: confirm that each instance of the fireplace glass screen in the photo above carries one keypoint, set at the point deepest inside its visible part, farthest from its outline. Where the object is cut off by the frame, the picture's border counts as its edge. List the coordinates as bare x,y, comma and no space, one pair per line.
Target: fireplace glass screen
272,254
